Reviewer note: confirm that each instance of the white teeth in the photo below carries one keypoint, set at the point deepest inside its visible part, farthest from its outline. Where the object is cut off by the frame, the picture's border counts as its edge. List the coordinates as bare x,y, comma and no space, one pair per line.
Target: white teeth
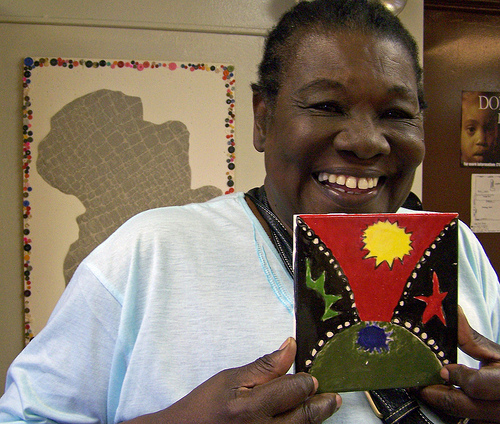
351,182
363,183
348,180
323,176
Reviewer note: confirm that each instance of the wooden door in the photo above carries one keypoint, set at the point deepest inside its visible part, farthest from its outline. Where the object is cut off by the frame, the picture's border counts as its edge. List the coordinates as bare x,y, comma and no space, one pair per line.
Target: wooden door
461,53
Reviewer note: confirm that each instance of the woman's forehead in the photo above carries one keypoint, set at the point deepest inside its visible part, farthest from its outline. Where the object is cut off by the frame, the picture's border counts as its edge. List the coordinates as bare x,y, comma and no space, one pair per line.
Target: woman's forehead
324,48
350,55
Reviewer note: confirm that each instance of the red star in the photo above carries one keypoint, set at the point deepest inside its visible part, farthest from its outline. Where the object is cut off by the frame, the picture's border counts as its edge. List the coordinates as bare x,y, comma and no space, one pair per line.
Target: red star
434,302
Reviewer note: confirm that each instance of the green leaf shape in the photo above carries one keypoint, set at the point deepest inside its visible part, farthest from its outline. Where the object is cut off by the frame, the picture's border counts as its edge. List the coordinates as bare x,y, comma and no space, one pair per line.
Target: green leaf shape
319,287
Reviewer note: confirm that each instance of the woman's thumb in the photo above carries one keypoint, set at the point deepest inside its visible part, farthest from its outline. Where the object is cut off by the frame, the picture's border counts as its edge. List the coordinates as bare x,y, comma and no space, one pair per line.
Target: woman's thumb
270,366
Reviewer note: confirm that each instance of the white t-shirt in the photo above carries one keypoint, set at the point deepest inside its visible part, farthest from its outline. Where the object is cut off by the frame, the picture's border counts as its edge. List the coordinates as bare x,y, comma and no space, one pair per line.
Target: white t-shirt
174,296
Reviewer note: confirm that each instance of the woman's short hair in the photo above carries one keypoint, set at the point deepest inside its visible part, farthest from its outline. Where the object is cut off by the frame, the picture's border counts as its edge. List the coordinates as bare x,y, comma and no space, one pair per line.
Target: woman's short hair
320,16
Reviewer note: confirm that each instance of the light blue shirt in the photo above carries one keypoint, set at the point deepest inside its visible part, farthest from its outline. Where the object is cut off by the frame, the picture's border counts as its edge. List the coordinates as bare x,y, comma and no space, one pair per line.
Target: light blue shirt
174,296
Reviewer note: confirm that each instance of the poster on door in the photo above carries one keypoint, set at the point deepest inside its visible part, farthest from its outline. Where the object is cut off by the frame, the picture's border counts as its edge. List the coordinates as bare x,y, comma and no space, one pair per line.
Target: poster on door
479,129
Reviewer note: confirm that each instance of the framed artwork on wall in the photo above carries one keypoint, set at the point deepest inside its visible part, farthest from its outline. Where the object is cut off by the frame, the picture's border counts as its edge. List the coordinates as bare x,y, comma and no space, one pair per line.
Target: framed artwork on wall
106,139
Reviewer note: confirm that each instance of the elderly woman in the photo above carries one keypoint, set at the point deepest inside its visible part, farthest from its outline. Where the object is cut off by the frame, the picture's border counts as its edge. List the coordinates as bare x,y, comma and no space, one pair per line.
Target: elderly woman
178,294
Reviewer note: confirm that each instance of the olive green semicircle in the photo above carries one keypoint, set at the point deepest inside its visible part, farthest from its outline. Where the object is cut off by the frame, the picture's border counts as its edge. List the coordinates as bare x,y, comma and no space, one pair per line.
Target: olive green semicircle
342,365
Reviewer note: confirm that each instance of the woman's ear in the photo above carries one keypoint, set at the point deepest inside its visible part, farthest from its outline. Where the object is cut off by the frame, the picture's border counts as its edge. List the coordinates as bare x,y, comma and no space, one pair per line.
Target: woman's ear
260,119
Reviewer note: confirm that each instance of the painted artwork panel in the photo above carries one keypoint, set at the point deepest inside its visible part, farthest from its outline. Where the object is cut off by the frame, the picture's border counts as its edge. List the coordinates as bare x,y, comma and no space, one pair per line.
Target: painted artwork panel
106,139
375,298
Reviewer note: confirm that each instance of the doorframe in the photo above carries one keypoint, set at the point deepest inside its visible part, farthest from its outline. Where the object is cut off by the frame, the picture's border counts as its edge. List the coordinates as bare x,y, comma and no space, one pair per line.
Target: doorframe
478,6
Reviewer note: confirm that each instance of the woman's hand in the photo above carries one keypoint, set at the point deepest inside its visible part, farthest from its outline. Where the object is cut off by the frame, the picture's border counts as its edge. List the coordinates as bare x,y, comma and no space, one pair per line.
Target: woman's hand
471,393
260,392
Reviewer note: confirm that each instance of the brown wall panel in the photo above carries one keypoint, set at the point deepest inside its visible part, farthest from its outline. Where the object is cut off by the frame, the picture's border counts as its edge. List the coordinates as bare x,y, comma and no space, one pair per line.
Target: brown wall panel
461,53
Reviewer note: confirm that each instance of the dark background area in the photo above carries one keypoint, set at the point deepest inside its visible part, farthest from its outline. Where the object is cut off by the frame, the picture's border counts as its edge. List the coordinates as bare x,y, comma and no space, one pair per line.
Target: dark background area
461,53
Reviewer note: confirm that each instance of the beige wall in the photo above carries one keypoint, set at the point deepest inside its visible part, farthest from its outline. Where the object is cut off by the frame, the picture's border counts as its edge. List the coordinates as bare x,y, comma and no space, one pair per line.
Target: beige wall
195,30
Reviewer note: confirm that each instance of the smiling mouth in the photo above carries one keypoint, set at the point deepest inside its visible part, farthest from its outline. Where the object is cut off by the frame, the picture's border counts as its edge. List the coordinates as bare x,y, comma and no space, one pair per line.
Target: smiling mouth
348,183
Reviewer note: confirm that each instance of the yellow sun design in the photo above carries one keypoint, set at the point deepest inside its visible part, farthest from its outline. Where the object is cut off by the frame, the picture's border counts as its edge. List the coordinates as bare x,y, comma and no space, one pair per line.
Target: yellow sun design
386,242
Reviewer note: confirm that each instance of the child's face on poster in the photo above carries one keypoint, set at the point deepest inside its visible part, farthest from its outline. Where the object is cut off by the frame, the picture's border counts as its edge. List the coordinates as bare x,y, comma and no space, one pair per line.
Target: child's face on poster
479,131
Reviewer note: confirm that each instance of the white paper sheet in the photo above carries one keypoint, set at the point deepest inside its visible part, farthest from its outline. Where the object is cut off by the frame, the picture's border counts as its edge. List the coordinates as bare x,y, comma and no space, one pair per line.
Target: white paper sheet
485,203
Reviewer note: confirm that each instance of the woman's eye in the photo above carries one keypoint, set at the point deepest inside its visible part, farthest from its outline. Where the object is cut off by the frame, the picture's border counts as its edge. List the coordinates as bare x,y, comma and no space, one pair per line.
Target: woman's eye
396,114
330,107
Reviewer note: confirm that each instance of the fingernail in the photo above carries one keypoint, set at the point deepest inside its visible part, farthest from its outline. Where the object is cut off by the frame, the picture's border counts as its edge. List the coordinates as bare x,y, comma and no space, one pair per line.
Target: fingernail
316,383
285,344
338,400
445,374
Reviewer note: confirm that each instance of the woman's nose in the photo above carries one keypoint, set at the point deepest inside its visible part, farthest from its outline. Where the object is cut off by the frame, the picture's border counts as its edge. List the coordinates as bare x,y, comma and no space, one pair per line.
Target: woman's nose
364,139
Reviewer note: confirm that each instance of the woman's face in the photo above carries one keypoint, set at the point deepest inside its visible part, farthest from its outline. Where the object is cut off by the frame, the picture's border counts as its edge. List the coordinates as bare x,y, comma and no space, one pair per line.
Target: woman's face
346,134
